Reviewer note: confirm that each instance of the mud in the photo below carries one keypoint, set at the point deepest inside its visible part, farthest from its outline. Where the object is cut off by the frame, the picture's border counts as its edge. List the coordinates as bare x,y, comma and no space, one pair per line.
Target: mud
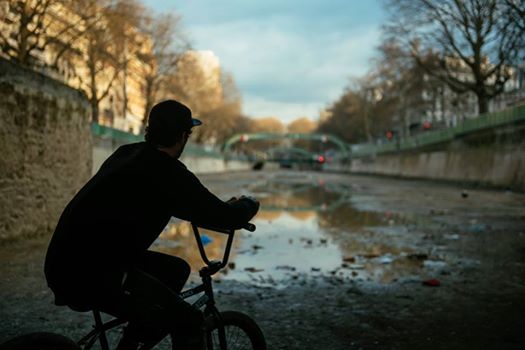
338,262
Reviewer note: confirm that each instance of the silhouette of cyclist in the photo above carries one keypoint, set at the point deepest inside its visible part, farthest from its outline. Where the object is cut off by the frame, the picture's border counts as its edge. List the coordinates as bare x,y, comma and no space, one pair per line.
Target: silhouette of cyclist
98,256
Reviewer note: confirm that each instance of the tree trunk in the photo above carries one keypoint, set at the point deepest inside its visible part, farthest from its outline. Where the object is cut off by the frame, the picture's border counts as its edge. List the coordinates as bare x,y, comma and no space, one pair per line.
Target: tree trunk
367,125
148,95
23,37
125,92
483,103
93,87
94,110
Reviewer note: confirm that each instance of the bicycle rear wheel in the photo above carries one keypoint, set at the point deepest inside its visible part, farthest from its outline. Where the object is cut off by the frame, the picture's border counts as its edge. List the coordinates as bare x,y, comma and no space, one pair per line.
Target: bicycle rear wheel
40,341
242,333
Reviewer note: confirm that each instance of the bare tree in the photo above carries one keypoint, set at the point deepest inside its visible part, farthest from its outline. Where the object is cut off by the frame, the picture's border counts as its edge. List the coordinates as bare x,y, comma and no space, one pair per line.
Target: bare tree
124,21
221,120
196,82
101,60
397,80
109,47
167,46
102,68
63,43
302,125
514,11
30,24
346,119
472,42
52,26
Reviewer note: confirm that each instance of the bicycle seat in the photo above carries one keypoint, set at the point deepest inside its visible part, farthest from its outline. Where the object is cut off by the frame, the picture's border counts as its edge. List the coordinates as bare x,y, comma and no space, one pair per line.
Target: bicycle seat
75,306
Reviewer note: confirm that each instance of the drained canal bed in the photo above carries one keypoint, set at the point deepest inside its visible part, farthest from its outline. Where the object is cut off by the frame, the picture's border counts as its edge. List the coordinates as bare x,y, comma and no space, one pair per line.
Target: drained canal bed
308,228
337,262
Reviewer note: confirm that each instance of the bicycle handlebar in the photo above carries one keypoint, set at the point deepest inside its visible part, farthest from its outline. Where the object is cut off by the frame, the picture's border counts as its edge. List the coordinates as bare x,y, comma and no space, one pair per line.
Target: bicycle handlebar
230,232
249,227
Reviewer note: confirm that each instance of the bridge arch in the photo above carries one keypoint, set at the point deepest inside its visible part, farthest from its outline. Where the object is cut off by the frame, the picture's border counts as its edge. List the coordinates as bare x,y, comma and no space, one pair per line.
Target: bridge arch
344,148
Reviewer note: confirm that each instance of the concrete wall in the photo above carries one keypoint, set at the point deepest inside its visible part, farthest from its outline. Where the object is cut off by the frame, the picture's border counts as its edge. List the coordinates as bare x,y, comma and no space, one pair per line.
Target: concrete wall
45,145
197,164
493,157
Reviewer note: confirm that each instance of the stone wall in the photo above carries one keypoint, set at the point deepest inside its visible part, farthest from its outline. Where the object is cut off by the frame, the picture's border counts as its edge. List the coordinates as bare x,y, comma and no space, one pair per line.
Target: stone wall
45,150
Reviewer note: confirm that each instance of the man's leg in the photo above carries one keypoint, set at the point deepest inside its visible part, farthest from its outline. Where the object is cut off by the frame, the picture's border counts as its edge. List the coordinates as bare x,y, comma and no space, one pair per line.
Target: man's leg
152,304
170,270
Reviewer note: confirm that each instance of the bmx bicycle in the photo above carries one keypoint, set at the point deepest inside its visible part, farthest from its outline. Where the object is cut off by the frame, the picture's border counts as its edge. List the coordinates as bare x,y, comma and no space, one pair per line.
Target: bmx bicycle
225,330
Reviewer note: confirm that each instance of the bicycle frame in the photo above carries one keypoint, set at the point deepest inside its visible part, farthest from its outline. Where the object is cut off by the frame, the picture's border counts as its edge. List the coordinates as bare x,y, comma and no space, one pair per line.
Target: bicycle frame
207,299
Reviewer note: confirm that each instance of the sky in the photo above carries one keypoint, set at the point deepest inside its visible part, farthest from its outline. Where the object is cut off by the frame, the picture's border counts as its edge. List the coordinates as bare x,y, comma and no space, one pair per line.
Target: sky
289,58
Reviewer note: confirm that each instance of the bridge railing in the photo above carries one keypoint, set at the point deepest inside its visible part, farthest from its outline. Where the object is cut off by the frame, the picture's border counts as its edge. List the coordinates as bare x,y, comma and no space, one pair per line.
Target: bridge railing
489,120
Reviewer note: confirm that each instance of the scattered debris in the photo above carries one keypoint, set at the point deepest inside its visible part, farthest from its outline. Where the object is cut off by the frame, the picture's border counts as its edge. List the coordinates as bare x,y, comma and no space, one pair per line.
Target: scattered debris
477,228
434,263
439,211
432,283
206,239
370,256
357,267
417,256
387,259
253,269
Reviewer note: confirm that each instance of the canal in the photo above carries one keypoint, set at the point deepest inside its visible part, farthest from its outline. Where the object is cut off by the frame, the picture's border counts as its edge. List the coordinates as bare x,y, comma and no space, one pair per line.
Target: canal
338,262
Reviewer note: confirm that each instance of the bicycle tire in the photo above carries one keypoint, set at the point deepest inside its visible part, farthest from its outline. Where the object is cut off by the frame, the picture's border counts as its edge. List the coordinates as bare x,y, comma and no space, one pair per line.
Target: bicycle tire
40,341
242,332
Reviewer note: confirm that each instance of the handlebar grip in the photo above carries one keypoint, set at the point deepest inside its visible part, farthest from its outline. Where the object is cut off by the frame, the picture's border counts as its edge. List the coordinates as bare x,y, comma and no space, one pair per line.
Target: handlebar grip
249,227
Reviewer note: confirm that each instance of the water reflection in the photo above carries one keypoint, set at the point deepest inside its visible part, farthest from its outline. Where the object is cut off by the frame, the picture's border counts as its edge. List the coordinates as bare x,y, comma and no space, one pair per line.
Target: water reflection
307,227
178,239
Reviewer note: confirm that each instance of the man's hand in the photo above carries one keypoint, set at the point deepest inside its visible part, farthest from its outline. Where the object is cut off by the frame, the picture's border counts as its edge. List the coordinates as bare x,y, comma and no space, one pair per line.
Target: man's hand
250,198
232,199
254,201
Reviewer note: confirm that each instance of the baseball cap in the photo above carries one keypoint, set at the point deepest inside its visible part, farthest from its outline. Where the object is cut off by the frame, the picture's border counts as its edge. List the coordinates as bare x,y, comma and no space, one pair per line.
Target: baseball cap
167,120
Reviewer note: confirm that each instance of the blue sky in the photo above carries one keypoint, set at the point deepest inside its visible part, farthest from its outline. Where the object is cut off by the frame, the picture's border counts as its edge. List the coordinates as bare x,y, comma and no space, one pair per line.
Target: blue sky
289,58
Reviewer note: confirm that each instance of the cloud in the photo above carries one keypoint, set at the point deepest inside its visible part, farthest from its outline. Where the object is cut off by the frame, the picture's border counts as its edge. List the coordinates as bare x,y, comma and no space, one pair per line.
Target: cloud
290,58
288,67
286,112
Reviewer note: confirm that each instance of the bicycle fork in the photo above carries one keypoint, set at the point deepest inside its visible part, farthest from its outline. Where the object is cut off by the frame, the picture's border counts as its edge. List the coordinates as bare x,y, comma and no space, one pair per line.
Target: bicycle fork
218,324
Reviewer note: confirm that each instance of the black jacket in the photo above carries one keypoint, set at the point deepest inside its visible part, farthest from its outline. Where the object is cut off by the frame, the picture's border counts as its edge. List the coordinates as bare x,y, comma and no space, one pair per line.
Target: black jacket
120,212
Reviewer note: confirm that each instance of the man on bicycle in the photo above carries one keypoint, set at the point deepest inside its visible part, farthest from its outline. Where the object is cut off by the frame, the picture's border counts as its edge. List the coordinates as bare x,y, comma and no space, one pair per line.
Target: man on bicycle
98,256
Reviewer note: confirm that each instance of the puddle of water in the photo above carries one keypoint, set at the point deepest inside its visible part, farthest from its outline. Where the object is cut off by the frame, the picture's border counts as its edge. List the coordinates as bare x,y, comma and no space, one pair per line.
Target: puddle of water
307,227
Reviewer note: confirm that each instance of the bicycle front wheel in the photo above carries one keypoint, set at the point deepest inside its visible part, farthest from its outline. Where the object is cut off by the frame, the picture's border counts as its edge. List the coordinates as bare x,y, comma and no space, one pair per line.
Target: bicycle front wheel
241,333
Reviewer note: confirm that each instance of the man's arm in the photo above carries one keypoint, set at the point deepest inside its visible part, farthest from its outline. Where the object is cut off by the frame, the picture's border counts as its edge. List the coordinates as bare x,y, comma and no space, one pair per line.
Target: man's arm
197,204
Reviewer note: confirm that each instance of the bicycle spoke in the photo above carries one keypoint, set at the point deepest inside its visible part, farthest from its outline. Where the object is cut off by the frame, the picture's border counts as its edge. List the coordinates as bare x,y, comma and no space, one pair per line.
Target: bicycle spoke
235,338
